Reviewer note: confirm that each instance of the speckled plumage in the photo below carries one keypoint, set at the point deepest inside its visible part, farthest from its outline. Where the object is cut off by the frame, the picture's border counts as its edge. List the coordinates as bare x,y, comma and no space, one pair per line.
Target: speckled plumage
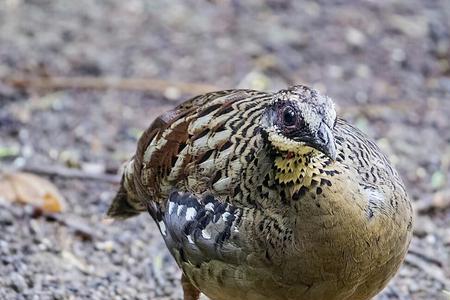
269,196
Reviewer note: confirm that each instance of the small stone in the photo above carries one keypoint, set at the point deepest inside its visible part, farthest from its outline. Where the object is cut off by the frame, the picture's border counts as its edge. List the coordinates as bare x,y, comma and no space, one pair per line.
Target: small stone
255,80
93,168
363,71
355,38
438,180
107,246
311,8
18,283
6,217
423,226
415,27
441,200
421,172
172,93
4,247
398,55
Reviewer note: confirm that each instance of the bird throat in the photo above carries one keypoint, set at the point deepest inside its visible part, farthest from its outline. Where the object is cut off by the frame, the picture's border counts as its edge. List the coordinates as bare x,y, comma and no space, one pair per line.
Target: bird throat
301,169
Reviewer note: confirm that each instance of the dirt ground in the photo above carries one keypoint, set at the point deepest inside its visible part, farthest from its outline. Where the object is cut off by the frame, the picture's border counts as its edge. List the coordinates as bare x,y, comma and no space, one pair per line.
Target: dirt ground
385,63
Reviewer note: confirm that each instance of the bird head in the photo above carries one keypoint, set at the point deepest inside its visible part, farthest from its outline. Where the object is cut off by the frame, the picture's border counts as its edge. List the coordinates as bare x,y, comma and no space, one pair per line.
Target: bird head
299,120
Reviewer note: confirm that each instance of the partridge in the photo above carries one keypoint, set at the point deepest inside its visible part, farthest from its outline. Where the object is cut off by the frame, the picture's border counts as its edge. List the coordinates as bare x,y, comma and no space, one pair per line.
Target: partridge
264,196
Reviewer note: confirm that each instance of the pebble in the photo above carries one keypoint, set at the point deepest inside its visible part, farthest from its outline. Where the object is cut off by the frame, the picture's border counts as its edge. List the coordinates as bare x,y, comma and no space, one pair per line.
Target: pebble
355,38
438,180
398,55
423,226
172,94
17,282
6,217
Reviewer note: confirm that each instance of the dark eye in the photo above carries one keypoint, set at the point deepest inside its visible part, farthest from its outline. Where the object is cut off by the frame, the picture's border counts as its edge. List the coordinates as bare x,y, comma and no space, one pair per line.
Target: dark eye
289,116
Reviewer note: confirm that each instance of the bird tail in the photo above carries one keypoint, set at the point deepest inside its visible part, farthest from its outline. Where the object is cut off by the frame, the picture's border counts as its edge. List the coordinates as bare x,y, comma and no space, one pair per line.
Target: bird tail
126,203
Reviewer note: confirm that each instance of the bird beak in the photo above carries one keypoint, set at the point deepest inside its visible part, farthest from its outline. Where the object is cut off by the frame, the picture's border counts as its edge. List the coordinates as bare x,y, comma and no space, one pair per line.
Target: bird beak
323,141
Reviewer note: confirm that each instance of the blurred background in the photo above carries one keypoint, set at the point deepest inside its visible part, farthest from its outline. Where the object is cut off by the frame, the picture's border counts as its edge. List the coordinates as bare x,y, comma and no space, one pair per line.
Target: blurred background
80,80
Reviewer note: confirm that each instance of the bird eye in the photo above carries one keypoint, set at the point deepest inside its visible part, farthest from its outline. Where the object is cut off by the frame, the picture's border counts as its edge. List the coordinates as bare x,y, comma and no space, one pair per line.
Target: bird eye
289,116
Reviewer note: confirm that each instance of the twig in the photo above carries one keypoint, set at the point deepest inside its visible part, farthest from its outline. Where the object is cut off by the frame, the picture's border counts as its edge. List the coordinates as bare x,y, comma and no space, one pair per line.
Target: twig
71,173
103,83
161,86
78,225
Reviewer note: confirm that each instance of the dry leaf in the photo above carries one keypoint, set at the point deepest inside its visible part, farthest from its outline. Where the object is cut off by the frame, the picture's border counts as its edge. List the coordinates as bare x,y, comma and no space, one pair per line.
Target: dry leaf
30,189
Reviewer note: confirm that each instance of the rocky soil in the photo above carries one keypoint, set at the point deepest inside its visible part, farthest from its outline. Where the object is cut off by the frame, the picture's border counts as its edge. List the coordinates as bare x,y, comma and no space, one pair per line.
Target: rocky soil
386,64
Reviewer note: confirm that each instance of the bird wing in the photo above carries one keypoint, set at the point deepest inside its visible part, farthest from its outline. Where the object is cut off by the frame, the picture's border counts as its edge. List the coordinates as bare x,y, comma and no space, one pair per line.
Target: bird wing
198,229
160,149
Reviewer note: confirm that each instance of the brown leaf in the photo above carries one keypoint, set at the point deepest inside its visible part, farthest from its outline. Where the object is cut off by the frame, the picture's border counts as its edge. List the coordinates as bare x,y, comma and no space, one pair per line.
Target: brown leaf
30,189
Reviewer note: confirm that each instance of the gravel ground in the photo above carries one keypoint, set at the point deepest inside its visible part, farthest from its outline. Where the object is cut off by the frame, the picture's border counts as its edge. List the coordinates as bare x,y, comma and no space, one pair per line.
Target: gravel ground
386,64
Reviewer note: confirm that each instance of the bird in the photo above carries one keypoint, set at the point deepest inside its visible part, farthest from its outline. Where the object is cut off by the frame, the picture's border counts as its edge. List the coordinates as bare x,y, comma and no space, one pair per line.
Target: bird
269,195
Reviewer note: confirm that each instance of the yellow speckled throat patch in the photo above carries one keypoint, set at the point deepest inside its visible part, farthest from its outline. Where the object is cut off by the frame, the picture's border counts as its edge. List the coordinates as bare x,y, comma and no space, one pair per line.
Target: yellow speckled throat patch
293,168
301,169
